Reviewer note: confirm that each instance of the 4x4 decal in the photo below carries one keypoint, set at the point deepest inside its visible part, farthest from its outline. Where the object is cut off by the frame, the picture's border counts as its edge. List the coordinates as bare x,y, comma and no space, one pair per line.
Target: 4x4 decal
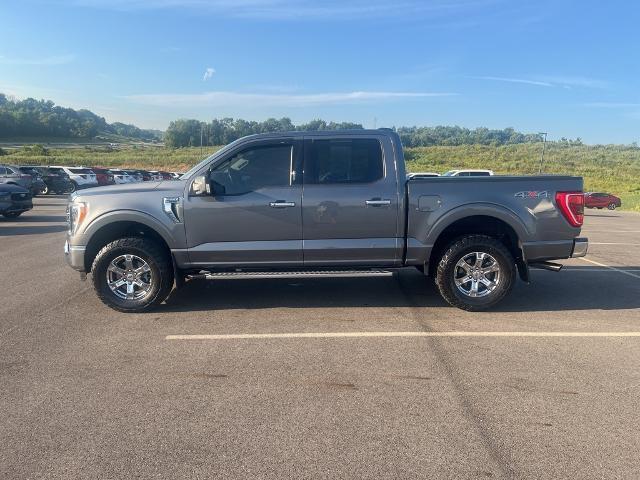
532,194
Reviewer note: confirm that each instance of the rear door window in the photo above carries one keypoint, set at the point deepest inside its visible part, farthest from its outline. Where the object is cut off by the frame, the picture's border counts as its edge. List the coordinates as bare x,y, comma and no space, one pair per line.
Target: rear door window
343,161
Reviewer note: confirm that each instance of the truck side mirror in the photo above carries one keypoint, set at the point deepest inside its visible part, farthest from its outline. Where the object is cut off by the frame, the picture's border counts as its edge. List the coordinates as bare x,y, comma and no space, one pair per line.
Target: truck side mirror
200,186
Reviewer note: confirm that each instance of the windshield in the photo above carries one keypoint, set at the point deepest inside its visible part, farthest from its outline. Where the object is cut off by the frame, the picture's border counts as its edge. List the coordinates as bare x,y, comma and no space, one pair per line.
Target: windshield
450,173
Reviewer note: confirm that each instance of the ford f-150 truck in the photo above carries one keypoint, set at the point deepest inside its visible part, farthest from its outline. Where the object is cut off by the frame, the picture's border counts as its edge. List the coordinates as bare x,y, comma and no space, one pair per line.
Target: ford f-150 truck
321,203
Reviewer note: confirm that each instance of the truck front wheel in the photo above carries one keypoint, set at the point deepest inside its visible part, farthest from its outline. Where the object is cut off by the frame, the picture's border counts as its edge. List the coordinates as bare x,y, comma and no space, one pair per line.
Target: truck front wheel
475,272
132,274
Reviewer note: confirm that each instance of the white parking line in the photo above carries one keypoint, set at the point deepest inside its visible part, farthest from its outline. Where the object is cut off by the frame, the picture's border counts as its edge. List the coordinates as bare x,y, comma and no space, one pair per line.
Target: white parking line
590,270
615,243
588,231
626,272
244,336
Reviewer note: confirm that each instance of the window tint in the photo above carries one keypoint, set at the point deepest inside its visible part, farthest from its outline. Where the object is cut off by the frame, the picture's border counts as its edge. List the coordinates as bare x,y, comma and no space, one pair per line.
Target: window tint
3,171
343,161
253,169
479,174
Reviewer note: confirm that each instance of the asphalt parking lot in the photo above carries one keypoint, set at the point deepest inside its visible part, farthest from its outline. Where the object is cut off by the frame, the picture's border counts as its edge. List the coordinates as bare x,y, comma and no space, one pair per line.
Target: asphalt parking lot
87,392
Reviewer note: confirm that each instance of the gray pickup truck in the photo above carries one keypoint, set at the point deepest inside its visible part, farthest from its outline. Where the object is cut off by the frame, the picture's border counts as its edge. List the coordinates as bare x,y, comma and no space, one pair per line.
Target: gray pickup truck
321,203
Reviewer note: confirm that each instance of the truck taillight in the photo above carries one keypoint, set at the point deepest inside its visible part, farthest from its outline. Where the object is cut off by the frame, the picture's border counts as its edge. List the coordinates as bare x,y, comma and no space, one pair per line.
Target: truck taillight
571,204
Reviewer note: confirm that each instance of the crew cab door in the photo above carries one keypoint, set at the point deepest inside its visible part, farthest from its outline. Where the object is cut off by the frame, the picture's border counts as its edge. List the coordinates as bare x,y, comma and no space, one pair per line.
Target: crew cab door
253,215
350,205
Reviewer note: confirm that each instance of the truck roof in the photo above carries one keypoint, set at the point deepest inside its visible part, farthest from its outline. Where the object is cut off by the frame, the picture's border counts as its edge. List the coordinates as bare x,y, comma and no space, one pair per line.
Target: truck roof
328,133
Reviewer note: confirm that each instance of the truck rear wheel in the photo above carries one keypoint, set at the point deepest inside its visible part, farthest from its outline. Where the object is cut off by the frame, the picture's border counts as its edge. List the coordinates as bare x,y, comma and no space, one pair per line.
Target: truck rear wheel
132,274
475,272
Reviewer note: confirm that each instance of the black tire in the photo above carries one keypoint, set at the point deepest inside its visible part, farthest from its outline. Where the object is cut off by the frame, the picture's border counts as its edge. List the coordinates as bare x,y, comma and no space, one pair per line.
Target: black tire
447,271
161,273
73,186
611,206
12,214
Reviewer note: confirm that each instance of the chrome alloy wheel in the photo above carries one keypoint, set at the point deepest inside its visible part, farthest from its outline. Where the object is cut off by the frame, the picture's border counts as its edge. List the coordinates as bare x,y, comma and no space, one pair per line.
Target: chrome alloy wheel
477,274
129,277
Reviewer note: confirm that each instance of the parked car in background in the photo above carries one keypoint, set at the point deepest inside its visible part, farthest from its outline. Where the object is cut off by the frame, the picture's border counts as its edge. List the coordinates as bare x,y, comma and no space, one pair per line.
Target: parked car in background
468,173
103,176
12,175
138,175
14,200
156,176
422,175
80,177
176,175
601,200
57,180
38,185
121,177
160,175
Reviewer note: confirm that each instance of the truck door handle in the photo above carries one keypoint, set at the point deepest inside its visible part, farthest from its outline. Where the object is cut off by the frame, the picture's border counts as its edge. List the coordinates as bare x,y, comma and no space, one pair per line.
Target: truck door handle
377,202
282,204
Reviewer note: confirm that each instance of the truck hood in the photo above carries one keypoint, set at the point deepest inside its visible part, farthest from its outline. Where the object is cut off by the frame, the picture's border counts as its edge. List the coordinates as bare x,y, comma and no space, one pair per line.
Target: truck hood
174,186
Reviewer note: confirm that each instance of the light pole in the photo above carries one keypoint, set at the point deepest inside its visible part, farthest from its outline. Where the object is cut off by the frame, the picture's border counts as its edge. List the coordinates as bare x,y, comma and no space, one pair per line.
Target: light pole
201,125
544,144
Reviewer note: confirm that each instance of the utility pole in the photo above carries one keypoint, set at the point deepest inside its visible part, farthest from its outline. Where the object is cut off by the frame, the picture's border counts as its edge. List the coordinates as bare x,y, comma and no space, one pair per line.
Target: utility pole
201,126
544,144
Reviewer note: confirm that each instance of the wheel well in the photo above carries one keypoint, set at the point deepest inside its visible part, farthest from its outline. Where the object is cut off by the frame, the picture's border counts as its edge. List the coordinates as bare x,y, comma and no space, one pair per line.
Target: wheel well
116,230
479,225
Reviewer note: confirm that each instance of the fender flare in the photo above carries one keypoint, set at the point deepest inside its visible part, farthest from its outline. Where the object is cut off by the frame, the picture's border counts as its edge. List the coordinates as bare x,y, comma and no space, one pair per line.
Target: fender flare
128,216
477,209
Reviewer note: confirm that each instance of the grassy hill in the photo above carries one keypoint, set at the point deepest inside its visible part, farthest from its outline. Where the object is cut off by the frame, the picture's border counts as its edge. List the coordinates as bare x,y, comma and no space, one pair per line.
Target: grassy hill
613,168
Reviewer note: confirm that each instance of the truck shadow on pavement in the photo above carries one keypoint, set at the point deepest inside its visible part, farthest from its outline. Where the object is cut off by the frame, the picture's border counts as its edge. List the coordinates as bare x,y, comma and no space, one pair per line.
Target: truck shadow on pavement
580,288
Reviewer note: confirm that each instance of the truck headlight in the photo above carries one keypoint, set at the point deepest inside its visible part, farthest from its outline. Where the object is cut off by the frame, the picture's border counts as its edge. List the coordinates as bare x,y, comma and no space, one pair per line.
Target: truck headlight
76,213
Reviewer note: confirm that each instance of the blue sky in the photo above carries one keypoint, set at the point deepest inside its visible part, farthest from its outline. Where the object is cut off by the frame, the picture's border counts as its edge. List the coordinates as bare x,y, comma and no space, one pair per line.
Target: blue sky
570,68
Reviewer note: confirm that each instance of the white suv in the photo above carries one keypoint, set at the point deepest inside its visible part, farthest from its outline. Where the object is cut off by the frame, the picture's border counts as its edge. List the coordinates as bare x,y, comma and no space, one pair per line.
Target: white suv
121,177
80,177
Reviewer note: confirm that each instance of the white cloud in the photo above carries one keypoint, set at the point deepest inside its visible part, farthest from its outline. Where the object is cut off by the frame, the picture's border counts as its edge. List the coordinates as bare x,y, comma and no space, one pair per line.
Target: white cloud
44,61
570,81
612,105
515,80
551,81
298,9
256,100
208,73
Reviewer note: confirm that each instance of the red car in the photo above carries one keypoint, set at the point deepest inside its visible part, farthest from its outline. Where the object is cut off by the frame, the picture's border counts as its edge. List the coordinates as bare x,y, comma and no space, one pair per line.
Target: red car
601,200
104,176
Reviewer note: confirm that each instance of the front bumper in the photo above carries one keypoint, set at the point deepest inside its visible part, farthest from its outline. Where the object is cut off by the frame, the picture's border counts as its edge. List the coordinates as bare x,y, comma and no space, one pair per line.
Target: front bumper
14,206
580,247
74,256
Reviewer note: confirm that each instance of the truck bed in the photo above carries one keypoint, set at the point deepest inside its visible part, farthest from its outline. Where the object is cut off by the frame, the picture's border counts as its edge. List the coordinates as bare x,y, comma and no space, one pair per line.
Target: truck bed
525,203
